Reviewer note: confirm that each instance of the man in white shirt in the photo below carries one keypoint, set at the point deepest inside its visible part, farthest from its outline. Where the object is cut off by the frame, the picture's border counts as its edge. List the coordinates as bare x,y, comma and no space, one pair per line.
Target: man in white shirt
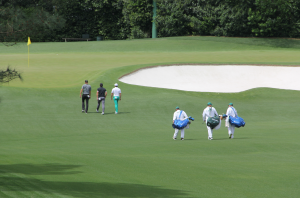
183,116
209,111
231,111
116,95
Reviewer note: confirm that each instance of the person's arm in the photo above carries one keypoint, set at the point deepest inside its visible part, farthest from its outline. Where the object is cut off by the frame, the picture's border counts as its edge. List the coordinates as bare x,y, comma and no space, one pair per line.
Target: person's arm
97,95
105,94
111,95
80,93
90,94
174,117
120,96
227,112
204,115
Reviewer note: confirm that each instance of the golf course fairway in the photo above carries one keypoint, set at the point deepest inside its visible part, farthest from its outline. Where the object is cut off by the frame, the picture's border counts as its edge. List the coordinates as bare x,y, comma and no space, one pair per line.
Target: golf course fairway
50,149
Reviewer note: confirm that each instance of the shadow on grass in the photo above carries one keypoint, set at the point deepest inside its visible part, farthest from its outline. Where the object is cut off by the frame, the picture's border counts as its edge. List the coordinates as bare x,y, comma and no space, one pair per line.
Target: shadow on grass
189,139
41,169
109,113
230,139
87,189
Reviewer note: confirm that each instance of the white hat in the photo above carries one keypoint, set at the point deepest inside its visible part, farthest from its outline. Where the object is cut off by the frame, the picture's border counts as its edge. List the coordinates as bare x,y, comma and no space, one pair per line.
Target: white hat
116,84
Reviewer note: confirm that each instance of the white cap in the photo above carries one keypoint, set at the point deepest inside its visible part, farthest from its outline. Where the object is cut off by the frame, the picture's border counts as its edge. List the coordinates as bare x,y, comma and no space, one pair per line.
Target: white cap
116,84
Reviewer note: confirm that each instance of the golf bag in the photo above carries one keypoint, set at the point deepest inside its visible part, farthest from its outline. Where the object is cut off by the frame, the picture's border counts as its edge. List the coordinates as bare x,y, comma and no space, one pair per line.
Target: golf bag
180,124
237,121
212,122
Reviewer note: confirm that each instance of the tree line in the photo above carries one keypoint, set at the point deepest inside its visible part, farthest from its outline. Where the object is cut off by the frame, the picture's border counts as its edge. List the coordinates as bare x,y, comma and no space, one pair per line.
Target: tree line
52,20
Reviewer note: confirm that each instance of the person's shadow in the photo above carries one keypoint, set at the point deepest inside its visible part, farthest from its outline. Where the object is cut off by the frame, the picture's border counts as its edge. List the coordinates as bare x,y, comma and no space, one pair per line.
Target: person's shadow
109,113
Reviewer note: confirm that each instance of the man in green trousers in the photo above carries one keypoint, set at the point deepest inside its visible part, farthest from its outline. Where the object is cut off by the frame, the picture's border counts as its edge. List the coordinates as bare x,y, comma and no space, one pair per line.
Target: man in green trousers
116,94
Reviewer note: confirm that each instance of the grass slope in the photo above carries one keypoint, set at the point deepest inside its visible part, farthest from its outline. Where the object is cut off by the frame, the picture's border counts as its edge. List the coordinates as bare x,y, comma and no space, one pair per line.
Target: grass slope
50,149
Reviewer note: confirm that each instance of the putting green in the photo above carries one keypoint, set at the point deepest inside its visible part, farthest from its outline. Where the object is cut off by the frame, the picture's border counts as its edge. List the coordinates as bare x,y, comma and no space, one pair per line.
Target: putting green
50,149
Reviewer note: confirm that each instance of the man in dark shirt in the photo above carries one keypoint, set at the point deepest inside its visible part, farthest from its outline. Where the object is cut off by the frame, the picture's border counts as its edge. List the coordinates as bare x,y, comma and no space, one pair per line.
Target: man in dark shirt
101,95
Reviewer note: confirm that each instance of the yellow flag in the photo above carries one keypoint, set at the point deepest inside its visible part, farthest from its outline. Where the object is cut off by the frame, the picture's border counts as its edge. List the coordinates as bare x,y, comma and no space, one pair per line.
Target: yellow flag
29,41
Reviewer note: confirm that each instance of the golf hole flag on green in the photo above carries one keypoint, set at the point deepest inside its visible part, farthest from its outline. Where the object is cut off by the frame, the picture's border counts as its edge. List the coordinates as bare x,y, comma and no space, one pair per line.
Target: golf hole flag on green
28,43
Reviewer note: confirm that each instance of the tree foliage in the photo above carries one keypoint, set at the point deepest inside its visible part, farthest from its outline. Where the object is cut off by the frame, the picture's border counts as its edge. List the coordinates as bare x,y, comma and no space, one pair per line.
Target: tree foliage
52,20
20,19
137,18
267,18
8,75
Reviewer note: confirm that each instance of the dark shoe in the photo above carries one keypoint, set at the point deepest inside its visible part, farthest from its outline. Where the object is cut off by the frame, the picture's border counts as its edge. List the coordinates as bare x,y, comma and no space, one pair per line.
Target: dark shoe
182,139
230,136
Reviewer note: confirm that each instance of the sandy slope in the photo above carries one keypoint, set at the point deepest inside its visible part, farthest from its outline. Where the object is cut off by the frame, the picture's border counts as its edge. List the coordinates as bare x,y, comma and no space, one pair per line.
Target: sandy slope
212,78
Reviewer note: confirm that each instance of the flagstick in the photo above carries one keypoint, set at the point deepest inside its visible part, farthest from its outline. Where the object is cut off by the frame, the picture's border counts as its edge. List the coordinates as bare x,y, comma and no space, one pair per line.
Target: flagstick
28,55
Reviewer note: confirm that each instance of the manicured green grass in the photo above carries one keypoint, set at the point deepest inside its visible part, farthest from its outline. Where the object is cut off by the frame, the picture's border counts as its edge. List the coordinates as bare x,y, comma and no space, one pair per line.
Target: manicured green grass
50,149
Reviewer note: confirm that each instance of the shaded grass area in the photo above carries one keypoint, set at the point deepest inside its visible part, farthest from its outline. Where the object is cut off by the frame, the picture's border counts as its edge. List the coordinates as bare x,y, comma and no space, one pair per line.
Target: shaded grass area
50,149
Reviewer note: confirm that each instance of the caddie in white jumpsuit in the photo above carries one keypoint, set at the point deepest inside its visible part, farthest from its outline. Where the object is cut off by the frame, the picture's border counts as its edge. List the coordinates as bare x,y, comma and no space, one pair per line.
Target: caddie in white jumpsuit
182,117
231,111
209,111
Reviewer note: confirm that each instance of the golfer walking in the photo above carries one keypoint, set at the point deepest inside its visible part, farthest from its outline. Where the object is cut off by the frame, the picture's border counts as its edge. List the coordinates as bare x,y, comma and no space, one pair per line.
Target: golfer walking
101,95
231,111
183,116
116,95
209,111
86,90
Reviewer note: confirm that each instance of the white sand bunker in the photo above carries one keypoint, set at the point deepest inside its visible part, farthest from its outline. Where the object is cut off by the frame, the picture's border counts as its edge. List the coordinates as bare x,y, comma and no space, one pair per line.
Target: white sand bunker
213,78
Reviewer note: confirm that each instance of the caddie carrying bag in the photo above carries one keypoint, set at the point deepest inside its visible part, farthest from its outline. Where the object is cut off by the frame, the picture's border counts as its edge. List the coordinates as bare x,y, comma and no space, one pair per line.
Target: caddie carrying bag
237,121
212,122
180,124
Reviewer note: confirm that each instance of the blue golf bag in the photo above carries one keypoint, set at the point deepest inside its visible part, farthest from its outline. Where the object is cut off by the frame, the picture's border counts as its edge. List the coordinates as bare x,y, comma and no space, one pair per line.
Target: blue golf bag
237,121
180,124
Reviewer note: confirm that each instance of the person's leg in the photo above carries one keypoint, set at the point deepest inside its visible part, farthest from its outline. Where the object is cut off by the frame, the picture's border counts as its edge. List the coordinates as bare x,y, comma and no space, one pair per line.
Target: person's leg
182,134
87,105
229,131
103,105
83,103
98,105
116,100
209,130
175,134
232,131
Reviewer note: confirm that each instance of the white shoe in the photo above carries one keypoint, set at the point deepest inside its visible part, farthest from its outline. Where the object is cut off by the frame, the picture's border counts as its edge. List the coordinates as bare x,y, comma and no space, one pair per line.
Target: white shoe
116,112
210,138
82,111
174,138
97,110
102,113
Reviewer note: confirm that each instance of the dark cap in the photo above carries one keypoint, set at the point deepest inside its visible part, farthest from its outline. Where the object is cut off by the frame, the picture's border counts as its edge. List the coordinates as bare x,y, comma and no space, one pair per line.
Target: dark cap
86,81
101,84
